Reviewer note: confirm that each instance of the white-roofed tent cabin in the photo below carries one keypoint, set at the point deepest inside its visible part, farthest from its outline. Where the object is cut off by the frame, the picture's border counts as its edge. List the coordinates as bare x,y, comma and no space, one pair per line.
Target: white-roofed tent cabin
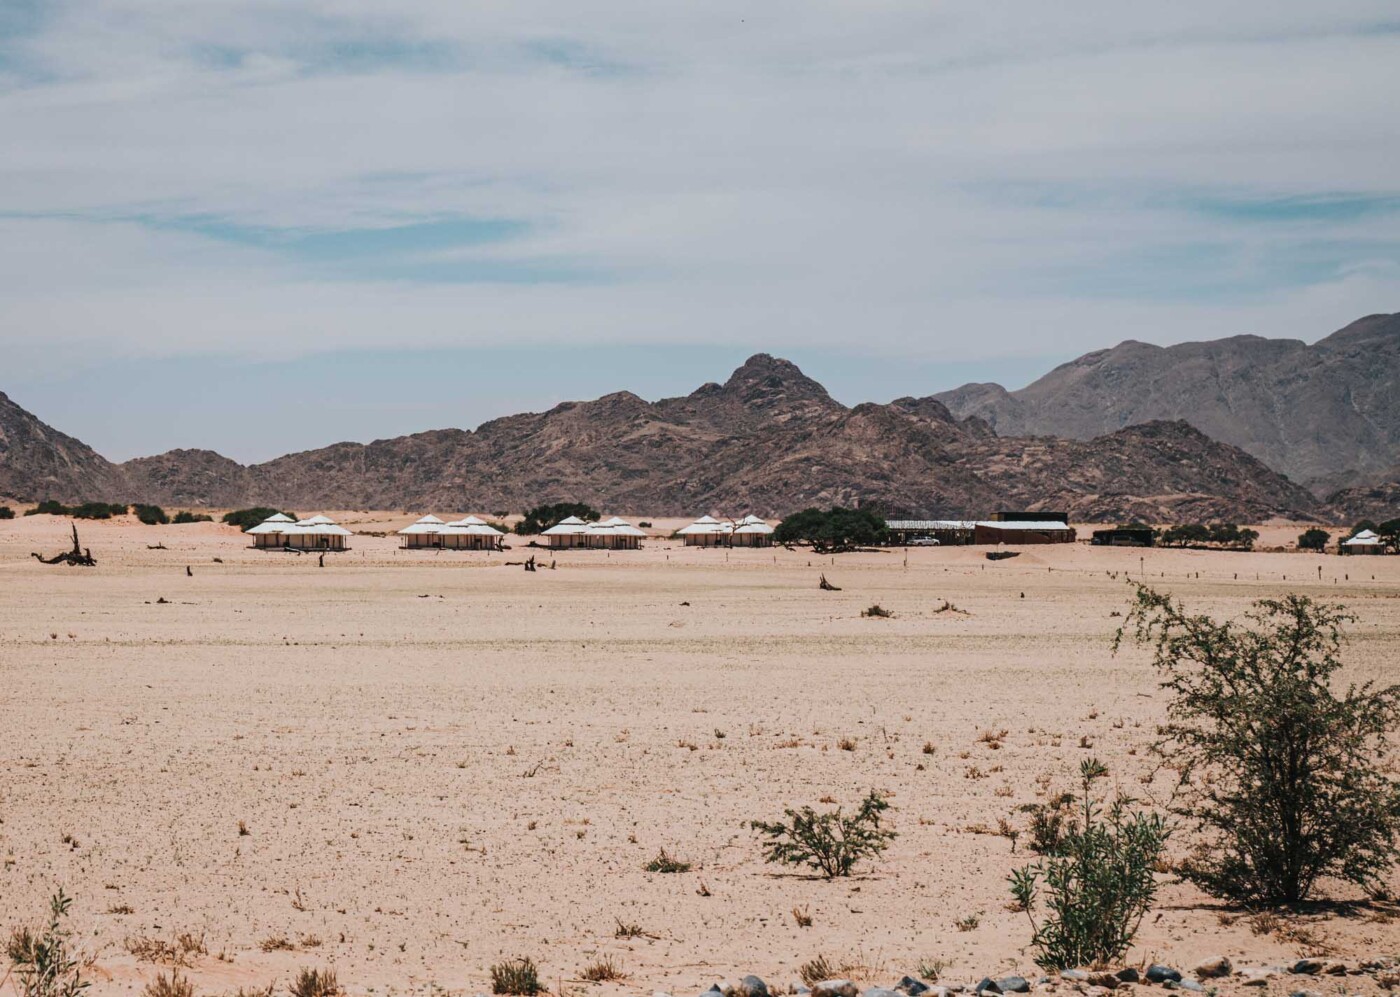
279,532
710,532
431,533
610,534
1364,542
752,532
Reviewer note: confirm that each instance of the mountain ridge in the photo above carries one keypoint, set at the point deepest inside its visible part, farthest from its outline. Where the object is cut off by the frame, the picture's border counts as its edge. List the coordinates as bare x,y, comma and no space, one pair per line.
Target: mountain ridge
768,439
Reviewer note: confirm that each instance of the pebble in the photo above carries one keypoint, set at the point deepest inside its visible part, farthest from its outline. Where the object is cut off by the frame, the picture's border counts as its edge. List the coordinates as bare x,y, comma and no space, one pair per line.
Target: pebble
1307,967
1013,985
880,992
1129,975
1215,966
835,988
1078,975
988,985
1106,980
911,986
1191,985
1157,973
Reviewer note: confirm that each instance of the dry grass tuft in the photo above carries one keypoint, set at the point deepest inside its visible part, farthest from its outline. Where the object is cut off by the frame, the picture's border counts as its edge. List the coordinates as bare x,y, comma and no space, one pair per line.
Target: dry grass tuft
603,970
516,976
173,985
665,862
315,983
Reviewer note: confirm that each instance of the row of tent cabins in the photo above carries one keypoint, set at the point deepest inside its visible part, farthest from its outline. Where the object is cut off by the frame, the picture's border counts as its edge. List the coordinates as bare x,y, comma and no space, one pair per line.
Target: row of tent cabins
281,532
710,532
431,533
608,534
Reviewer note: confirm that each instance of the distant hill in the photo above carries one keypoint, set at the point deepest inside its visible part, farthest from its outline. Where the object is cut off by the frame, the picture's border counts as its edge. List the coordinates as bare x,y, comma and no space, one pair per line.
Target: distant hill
769,440
1326,415
37,461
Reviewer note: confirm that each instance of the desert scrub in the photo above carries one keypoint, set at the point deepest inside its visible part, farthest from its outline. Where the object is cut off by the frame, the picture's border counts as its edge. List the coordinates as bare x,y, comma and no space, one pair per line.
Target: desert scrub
665,862
603,970
43,964
516,976
1098,883
173,985
315,983
831,843
1288,780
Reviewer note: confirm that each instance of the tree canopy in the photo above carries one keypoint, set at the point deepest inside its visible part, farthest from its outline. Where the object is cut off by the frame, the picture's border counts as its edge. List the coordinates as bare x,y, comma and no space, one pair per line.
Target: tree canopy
833,530
542,517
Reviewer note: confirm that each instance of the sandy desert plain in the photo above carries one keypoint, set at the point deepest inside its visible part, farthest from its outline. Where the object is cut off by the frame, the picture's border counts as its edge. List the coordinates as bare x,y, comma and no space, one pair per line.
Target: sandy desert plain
441,760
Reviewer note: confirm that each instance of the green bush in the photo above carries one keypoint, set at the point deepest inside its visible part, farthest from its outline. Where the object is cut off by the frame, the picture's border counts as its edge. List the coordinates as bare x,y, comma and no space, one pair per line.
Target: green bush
1096,885
88,510
542,517
517,977
6,512
151,515
1313,539
43,964
246,519
1288,780
192,517
833,530
831,842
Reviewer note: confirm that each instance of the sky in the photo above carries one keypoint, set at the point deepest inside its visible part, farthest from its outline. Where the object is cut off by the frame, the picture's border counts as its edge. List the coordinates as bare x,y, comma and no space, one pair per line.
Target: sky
261,226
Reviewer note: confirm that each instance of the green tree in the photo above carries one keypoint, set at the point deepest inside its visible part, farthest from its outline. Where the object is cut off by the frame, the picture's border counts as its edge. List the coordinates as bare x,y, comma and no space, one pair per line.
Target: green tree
246,519
1096,884
833,530
43,962
1313,539
542,517
1285,777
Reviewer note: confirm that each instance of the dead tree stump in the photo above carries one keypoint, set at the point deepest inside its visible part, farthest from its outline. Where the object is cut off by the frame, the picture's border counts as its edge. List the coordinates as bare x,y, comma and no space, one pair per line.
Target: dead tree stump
79,556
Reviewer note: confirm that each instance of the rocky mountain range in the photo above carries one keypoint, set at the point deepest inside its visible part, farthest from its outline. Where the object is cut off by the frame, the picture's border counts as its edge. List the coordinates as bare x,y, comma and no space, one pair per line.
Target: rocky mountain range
769,439
1325,415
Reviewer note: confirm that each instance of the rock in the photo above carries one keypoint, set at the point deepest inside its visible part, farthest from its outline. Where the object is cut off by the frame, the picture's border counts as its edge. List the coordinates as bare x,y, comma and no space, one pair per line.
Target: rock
1191,985
910,986
1334,968
753,986
1078,975
1014,985
987,985
1171,984
880,992
1214,967
1101,979
1307,967
1304,993
799,988
1129,975
1388,978
1157,973
1255,980
835,988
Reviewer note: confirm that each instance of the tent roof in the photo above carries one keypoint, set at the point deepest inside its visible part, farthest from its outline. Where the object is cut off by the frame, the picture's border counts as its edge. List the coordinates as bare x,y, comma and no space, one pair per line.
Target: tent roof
428,520
279,517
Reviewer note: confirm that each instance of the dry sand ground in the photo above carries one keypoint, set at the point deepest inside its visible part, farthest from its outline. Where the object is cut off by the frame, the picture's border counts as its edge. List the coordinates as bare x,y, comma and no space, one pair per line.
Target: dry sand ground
441,760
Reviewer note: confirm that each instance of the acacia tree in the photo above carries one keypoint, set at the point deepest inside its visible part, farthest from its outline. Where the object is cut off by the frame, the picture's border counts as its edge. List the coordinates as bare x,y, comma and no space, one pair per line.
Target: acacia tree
1283,774
1313,539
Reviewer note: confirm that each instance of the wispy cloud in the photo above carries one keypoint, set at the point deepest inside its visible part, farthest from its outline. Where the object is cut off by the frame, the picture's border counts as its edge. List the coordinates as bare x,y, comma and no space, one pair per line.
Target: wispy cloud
960,181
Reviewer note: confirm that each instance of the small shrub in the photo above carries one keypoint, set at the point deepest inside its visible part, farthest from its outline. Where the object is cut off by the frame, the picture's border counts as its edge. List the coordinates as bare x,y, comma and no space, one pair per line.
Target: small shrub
1098,885
516,976
664,862
43,964
191,517
831,842
6,512
932,969
877,611
315,983
803,919
276,943
1047,823
173,985
847,744
628,929
817,969
1289,780
969,923
602,970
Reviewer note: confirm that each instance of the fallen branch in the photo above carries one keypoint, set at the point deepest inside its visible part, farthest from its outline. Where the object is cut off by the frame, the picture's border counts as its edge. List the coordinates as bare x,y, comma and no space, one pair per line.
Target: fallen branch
826,586
79,556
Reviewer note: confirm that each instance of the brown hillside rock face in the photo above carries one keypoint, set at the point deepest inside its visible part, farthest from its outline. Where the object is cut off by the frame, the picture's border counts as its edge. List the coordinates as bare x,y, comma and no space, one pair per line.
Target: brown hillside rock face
1326,415
768,440
38,462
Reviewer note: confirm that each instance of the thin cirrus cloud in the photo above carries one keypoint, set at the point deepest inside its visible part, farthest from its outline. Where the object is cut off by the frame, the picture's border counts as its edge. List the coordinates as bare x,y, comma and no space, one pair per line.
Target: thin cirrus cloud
958,182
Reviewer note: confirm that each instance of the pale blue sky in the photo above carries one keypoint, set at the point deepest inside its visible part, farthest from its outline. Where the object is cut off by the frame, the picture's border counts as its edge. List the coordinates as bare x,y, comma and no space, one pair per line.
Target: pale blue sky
260,226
